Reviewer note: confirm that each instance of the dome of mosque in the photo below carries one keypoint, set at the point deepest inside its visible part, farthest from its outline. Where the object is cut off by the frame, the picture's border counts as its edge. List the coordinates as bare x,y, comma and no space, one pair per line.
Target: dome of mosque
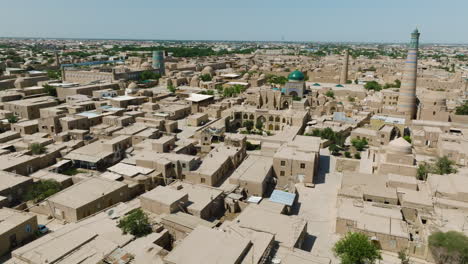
296,76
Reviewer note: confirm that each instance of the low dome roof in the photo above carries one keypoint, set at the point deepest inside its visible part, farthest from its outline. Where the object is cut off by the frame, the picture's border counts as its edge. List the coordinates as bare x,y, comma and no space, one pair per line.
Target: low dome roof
132,85
145,64
400,145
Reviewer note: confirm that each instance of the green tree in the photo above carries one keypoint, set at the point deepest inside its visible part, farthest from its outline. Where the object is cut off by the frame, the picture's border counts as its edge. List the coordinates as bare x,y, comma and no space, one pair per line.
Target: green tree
249,146
359,144
397,83
135,223
53,74
40,190
171,88
50,90
12,119
347,154
356,248
259,125
219,87
37,149
449,247
338,139
407,138
351,99
208,92
373,85
423,170
327,133
248,124
206,77
444,166
274,79
316,132
357,155
462,110
334,149
404,259
149,75
330,94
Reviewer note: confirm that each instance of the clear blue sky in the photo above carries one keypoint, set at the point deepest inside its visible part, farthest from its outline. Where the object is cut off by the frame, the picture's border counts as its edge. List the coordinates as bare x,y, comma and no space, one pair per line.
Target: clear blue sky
296,20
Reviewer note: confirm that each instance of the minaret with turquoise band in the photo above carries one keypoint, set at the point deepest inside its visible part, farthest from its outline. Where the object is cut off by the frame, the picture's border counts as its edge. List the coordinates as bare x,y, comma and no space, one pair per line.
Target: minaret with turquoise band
407,96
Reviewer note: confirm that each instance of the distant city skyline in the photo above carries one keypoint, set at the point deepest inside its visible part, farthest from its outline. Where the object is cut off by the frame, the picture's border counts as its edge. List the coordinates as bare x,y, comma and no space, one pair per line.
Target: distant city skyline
259,20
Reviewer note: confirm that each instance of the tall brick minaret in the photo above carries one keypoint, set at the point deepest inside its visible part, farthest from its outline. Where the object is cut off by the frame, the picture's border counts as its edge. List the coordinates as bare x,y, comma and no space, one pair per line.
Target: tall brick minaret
344,70
407,97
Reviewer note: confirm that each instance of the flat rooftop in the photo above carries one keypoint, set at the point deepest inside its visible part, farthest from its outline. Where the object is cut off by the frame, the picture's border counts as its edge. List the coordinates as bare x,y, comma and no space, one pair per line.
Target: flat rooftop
207,246
85,192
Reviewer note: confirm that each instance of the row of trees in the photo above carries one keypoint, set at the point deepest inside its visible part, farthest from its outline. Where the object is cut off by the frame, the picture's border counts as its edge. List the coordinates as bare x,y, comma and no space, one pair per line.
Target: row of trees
442,166
40,190
233,90
337,140
149,75
447,247
275,79
373,85
395,84
197,51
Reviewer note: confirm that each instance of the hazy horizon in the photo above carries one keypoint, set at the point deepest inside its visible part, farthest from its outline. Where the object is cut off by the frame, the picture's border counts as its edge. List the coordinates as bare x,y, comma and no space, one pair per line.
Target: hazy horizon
359,21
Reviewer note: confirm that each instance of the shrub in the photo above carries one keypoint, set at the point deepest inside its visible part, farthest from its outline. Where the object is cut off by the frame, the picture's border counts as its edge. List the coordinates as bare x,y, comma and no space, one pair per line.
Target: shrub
347,154
357,156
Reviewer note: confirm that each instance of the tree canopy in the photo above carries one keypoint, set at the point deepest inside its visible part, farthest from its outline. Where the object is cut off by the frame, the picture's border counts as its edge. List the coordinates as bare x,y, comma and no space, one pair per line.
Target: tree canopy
275,79
149,75
462,110
373,85
206,77
135,223
41,190
449,247
12,119
356,248
443,165
50,90
37,148
330,94
359,144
